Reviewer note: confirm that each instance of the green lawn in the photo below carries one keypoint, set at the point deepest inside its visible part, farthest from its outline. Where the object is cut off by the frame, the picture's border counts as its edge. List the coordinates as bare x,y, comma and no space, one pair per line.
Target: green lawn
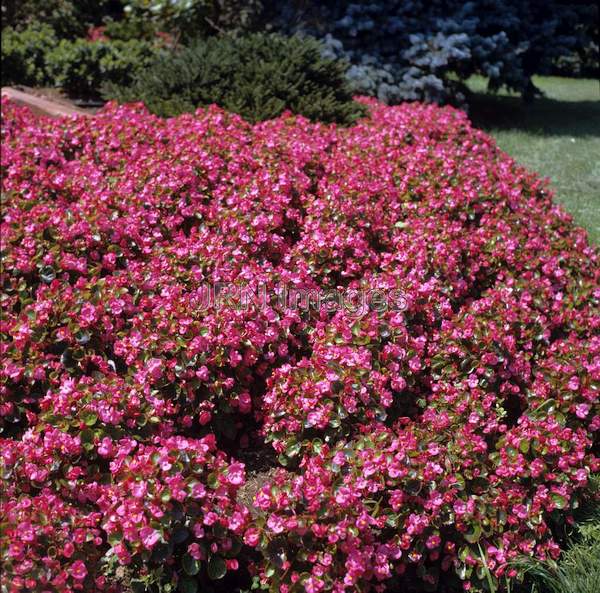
557,135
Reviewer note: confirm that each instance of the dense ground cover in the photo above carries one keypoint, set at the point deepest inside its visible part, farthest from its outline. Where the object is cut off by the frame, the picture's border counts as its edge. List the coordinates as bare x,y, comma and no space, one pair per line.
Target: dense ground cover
557,135
150,437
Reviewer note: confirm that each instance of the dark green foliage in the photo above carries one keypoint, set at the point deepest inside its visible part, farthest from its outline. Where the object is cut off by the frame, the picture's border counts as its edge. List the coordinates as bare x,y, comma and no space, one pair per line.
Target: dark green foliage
24,54
131,28
81,67
68,18
258,76
35,57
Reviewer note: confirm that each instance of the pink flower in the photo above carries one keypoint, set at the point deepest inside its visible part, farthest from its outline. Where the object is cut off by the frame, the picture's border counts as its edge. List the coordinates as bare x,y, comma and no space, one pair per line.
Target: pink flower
198,490
202,373
211,518
116,306
460,508
195,551
88,315
398,383
149,537
198,530
520,510
275,524
155,368
139,489
16,550
343,496
236,474
245,402
251,536
415,364
78,570
205,417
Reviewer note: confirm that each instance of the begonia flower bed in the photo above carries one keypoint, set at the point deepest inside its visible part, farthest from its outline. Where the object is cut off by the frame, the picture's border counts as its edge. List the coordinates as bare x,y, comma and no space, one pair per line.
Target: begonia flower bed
162,431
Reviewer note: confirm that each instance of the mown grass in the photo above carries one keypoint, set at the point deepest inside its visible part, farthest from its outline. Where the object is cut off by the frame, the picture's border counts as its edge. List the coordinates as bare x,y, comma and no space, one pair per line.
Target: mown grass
557,135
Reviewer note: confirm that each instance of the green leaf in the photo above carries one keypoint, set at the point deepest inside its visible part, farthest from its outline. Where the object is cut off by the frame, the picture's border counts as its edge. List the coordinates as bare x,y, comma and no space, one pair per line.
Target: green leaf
86,436
473,535
90,418
190,565
138,586
216,568
559,500
161,552
270,571
115,538
187,584
545,408
293,449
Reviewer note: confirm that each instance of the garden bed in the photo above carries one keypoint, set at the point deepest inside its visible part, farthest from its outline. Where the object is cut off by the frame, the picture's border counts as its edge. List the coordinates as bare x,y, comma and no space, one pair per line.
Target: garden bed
429,423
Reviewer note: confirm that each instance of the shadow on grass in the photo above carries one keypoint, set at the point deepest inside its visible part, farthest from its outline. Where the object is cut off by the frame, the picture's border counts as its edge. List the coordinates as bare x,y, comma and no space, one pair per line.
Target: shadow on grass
543,117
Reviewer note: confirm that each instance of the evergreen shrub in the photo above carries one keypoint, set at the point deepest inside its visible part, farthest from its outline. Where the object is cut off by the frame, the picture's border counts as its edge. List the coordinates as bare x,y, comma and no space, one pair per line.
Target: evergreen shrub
257,76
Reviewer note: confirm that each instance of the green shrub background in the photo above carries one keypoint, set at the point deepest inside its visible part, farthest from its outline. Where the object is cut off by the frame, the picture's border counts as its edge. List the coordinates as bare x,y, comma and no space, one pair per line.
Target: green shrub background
68,18
24,55
36,57
257,76
81,67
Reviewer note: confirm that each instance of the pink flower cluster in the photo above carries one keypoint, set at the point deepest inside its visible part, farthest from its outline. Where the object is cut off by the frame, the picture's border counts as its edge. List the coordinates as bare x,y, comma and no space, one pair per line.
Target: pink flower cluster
422,444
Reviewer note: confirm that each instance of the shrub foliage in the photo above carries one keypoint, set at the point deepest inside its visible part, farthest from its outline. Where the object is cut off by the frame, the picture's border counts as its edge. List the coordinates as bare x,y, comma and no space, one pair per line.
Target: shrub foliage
69,18
417,49
397,50
36,57
436,439
258,76
410,49
82,67
24,55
